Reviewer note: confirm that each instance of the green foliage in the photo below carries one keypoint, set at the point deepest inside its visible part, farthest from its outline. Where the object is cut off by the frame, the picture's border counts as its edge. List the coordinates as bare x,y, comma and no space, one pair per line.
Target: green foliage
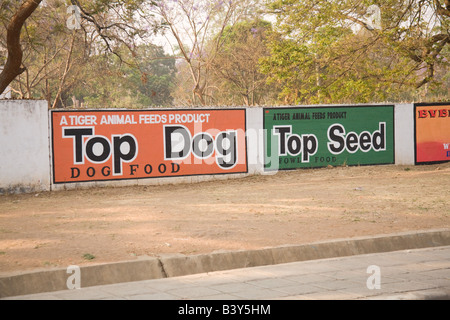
236,66
111,83
88,256
317,51
329,51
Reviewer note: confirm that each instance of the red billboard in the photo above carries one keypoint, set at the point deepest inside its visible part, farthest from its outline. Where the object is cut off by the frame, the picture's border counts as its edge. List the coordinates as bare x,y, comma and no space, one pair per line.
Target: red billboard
432,132
136,144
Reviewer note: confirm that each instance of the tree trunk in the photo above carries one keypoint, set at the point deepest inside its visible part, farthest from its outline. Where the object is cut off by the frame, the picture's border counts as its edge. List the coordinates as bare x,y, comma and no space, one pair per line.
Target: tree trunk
13,63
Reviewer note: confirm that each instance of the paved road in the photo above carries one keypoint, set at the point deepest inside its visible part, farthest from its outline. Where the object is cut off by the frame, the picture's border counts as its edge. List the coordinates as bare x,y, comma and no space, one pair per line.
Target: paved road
410,274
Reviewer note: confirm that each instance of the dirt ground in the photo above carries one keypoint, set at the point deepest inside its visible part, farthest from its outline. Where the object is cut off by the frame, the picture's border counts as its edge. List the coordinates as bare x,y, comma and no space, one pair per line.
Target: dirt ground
58,229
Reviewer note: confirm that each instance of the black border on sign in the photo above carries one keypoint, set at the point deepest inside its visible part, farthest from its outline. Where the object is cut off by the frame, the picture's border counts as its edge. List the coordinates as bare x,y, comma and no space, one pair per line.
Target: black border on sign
424,104
145,110
331,107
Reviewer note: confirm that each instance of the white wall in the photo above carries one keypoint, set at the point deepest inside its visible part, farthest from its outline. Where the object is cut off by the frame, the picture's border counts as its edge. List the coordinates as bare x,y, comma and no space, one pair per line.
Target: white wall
24,146
255,140
404,134
25,162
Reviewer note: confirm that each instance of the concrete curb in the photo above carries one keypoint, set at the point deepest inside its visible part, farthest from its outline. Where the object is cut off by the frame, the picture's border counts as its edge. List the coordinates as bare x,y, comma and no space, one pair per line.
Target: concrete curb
146,268
432,294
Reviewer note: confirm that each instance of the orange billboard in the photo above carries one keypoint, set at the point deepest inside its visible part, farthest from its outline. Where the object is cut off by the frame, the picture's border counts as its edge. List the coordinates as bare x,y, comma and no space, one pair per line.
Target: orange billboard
138,144
432,132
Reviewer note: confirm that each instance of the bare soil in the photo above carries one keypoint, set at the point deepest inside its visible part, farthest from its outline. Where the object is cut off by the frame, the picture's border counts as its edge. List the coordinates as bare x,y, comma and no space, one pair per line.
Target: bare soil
58,229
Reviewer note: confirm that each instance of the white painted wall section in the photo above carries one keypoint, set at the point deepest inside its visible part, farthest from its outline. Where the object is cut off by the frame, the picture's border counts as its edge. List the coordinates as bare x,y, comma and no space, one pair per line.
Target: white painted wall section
24,146
255,140
404,134
25,163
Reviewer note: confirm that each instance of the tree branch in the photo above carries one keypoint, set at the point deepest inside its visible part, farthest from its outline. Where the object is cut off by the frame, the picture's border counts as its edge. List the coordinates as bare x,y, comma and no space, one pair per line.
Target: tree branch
13,63
441,10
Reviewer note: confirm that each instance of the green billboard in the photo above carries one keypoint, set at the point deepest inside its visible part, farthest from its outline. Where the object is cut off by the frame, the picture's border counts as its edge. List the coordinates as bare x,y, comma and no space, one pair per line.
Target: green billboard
309,137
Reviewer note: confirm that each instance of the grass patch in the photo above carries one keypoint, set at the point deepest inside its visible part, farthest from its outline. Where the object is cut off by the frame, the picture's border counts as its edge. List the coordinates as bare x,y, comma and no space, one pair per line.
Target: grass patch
88,256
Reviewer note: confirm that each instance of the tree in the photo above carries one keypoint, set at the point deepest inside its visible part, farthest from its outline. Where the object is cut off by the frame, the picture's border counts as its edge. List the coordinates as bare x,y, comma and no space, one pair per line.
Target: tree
156,80
236,67
55,57
193,24
13,64
336,51
117,23
108,83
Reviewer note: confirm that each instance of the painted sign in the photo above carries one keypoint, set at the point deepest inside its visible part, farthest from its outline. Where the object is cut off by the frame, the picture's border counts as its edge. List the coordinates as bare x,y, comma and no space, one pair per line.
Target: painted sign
321,136
432,132
132,144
